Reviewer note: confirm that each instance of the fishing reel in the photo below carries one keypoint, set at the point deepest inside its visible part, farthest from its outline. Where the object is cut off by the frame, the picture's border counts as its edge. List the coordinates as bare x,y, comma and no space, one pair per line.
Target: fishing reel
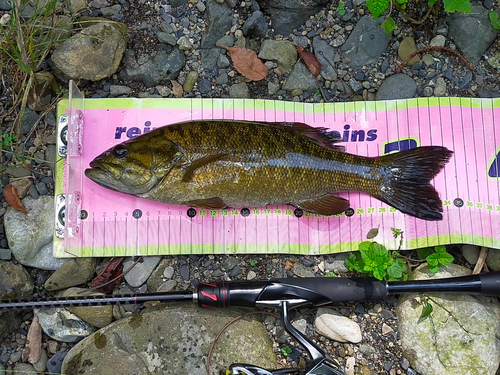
320,363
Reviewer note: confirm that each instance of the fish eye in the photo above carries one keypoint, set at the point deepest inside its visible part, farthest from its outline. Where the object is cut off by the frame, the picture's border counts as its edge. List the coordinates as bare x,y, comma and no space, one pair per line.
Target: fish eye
120,151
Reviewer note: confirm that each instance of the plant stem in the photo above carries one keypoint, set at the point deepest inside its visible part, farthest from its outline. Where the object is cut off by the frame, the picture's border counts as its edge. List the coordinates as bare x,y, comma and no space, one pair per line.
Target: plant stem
412,20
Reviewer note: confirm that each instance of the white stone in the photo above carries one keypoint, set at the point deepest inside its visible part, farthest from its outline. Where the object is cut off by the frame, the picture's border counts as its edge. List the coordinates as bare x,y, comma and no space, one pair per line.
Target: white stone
300,325
331,324
438,41
349,365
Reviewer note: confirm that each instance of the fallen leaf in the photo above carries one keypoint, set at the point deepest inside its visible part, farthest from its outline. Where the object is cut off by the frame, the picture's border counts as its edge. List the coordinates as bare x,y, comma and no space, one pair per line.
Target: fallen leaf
372,233
247,63
310,60
111,271
177,89
33,349
11,197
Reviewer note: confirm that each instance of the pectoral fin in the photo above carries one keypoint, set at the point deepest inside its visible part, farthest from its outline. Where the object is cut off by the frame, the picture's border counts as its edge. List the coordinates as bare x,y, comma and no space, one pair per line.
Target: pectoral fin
325,205
214,203
198,163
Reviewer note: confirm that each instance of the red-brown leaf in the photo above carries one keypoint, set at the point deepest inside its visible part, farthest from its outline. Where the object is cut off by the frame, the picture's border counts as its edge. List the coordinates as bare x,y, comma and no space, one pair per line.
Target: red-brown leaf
247,63
112,270
310,60
11,197
33,349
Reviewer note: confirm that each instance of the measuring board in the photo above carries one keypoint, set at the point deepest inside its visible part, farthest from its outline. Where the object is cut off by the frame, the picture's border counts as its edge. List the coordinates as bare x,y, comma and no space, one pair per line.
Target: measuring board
97,222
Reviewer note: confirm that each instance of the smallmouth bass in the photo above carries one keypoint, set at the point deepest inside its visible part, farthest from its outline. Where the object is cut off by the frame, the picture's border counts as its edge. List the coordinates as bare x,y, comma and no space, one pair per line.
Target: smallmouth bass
219,164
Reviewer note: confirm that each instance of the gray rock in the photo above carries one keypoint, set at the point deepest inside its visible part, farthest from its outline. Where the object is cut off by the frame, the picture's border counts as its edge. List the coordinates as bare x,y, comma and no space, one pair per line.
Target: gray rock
16,356
223,61
273,87
167,286
166,38
34,192
440,89
184,43
15,283
184,271
170,340
333,325
398,86
98,316
355,85
325,55
30,236
366,43
470,253
222,79
168,273
29,119
117,90
73,272
428,59
205,86
17,171
239,90
288,15
472,33
209,58
24,368
157,276
301,271
5,5
41,365
159,70
5,254
99,4
62,325
219,18
494,60
255,25
300,78
493,259
281,51
465,342
229,263
55,362
438,41
111,11
141,271
80,57
226,40
190,81
77,5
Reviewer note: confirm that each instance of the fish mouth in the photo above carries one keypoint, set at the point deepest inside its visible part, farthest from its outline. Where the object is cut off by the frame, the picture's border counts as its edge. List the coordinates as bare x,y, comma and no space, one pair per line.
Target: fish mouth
98,173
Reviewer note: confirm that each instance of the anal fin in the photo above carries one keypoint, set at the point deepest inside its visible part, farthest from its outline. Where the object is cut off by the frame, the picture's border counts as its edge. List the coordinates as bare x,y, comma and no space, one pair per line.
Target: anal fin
325,205
214,203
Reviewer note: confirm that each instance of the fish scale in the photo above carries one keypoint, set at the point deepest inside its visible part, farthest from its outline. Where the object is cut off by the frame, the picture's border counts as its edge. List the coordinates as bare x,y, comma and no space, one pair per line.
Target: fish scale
217,164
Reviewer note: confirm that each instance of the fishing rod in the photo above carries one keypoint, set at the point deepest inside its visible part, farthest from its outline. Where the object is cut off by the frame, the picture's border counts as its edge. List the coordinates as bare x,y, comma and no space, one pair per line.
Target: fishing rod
285,294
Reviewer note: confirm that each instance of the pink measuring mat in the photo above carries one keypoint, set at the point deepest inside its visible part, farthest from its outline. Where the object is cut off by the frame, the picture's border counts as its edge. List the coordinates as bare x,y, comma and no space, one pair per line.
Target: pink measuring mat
115,224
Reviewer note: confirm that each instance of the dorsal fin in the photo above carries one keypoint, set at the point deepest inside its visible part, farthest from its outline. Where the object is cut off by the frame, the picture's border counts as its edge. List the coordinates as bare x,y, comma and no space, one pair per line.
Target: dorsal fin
321,136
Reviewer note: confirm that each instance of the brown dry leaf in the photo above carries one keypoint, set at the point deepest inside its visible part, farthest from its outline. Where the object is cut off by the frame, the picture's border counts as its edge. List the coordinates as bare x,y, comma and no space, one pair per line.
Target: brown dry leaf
177,89
33,349
11,197
310,60
288,265
110,272
247,63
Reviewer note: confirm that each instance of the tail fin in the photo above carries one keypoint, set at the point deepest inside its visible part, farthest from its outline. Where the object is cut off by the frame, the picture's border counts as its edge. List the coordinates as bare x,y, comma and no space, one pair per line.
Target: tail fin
406,181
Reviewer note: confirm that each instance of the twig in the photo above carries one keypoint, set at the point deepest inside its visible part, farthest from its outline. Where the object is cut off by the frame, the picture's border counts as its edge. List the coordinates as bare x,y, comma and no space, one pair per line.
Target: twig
226,326
480,261
441,49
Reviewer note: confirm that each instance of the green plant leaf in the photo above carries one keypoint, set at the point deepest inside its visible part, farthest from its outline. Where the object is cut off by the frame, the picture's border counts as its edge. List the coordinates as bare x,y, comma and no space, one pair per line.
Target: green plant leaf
341,8
354,262
445,259
372,233
440,249
365,245
379,273
427,310
330,274
462,6
377,7
424,253
433,259
389,25
434,269
495,19
395,270
431,2
396,232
